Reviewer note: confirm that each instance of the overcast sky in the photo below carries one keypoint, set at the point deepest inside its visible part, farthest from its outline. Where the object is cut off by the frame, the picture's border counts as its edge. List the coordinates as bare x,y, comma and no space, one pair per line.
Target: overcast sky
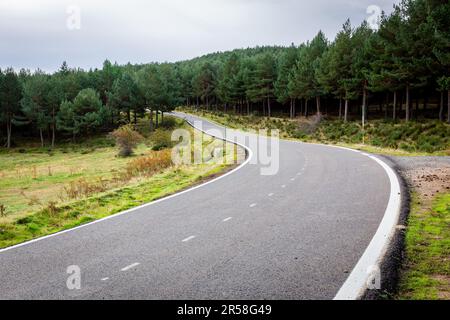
43,33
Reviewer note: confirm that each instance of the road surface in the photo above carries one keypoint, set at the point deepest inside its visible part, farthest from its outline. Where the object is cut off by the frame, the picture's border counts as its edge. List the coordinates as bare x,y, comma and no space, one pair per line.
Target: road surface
294,235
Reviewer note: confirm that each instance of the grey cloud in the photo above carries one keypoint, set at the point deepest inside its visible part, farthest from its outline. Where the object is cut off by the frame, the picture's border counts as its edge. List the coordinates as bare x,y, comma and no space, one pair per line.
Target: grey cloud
34,34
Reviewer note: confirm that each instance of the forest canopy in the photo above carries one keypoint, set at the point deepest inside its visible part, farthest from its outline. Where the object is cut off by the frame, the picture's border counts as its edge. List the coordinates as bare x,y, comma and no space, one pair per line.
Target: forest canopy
403,67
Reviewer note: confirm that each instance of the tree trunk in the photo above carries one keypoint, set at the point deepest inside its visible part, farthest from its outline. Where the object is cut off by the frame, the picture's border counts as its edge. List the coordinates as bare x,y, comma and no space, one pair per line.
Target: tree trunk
157,118
151,120
290,110
293,109
407,104
448,106
340,108
364,107
53,135
318,104
306,108
346,110
8,130
42,137
402,101
394,108
248,107
53,128
135,117
416,113
269,111
387,106
441,107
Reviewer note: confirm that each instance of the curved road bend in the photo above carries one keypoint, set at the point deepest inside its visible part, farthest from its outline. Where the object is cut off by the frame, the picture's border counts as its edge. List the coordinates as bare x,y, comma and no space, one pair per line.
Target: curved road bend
295,235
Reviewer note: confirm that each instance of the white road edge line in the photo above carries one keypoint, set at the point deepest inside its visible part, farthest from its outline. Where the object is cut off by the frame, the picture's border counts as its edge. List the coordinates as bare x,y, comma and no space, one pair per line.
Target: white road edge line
270,194
131,266
227,219
356,284
253,205
188,239
105,279
353,288
250,156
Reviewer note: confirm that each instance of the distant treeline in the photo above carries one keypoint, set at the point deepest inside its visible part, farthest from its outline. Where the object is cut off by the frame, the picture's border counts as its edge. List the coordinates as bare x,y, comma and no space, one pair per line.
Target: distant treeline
402,68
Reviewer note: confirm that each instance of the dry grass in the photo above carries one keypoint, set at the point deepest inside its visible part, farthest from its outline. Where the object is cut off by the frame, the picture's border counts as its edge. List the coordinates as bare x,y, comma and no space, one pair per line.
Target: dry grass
148,165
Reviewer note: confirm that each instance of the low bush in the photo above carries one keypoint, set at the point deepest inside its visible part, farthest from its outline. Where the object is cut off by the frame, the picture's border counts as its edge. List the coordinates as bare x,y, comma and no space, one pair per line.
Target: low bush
126,139
160,139
168,123
3,212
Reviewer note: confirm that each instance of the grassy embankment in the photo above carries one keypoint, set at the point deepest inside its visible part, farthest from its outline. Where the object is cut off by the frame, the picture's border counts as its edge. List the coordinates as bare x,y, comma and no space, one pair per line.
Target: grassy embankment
383,137
45,191
426,270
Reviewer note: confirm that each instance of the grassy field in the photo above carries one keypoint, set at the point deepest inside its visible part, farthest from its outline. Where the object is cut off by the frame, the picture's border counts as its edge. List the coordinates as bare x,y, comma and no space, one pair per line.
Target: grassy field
45,191
379,136
426,272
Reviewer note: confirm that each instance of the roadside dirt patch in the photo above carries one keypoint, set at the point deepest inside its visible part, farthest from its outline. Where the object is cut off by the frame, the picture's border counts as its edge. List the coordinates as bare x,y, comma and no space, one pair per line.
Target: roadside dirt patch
428,182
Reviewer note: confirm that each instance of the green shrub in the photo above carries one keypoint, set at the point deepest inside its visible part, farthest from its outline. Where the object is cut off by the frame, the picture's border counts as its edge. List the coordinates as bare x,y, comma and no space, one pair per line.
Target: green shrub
126,139
160,140
168,123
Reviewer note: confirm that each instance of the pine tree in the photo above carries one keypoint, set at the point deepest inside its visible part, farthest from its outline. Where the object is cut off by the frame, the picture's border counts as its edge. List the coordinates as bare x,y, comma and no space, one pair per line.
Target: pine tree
35,102
84,115
10,96
226,85
264,77
123,94
341,59
286,63
362,55
151,89
439,18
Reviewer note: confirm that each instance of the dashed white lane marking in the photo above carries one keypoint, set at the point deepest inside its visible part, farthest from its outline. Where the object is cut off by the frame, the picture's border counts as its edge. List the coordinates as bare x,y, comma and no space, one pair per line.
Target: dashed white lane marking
188,239
271,194
253,205
293,179
283,186
105,279
227,219
131,266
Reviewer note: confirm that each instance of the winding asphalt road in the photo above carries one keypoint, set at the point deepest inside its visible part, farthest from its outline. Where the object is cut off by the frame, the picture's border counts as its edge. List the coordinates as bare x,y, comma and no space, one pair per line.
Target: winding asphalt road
294,235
